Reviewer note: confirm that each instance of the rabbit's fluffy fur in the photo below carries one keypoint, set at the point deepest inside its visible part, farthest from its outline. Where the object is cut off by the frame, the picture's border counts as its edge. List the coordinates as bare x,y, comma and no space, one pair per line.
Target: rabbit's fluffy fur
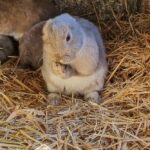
74,60
31,47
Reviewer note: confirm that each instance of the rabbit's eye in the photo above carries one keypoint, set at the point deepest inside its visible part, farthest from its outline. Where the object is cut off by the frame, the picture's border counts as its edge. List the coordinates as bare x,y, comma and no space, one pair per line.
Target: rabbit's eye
68,38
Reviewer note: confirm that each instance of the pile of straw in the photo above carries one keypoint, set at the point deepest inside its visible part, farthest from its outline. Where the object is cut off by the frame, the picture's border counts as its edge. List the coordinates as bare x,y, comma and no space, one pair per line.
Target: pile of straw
120,122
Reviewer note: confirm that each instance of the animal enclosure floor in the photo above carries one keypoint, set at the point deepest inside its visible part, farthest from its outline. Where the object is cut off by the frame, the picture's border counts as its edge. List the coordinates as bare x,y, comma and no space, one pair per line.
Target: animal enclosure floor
121,121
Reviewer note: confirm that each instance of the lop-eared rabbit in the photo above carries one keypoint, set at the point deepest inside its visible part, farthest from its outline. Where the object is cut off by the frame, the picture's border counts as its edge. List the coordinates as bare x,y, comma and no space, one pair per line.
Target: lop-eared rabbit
74,60
18,16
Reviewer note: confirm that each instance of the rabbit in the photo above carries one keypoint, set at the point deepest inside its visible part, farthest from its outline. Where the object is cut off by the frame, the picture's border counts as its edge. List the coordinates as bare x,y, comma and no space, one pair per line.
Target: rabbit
31,47
18,16
74,58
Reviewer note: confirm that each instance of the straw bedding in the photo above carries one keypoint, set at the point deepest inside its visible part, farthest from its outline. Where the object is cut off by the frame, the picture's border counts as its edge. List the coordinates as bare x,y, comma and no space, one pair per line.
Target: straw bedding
120,122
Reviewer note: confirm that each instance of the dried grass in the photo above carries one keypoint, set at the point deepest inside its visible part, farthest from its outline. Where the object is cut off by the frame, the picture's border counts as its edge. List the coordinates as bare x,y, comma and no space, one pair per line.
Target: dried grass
121,122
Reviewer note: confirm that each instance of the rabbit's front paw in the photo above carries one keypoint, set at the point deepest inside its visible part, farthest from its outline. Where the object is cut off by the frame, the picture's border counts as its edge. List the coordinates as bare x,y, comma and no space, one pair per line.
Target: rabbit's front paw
93,97
54,99
64,71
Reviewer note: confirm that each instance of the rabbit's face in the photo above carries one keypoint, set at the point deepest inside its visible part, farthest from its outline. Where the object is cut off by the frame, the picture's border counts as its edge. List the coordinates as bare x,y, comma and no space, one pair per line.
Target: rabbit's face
64,37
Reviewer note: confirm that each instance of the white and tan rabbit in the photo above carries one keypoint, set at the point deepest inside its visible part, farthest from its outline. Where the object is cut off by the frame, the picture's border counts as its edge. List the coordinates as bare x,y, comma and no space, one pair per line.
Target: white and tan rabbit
74,60
18,16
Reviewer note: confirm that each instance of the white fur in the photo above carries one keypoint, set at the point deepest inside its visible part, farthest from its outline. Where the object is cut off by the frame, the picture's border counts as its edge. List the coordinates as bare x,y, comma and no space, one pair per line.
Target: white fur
74,84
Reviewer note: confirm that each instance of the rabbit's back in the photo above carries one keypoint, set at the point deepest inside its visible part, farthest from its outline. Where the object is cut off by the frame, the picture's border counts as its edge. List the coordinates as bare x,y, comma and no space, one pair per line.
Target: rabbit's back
31,47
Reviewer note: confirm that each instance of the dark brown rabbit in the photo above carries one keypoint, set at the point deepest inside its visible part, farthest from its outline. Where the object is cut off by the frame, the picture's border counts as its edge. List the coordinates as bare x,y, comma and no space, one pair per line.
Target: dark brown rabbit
18,16
31,47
